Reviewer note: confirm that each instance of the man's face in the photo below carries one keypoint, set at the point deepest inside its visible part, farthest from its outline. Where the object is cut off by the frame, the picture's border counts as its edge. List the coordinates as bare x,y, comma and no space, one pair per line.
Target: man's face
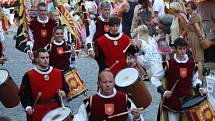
181,51
59,35
43,59
42,11
106,83
114,29
106,13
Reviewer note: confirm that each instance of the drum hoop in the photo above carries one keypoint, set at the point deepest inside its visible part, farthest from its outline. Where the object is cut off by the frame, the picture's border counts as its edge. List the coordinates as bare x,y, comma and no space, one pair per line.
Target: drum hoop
6,78
55,109
131,83
188,107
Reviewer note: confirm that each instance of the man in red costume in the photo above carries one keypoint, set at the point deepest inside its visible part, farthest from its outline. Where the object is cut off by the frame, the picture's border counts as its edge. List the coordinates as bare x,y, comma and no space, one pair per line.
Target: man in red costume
40,29
182,79
112,47
107,102
98,27
41,87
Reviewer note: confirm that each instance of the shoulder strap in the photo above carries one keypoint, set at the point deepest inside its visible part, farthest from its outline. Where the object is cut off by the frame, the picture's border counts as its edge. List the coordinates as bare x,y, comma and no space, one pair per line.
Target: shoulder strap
88,105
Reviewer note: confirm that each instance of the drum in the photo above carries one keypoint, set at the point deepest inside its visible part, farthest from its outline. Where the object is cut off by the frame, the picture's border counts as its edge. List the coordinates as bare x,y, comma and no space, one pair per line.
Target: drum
8,90
76,85
128,80
197,109
58,114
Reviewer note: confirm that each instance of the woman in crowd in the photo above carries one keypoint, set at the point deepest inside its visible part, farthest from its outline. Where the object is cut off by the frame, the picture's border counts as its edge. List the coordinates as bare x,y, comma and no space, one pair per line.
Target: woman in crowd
195,34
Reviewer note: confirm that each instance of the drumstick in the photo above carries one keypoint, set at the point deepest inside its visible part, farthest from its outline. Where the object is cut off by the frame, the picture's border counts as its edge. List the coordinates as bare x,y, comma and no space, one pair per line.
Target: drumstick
123,113
37,98
69,51
61,100
174,86
116,62
126,48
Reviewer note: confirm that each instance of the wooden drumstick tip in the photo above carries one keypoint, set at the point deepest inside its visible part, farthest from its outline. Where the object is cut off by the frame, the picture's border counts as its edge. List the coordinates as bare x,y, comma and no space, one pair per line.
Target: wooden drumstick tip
39,94
37,98
116,62
123,113
126,48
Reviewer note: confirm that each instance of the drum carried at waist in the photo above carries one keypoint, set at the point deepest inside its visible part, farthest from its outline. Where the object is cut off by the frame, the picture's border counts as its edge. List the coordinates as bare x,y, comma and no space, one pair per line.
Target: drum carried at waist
76,85
198,109
58,114
128,81
8,90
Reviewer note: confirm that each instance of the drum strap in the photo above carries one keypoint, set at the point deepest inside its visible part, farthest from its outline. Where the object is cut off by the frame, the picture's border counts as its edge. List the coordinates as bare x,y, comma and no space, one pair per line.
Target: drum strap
88,104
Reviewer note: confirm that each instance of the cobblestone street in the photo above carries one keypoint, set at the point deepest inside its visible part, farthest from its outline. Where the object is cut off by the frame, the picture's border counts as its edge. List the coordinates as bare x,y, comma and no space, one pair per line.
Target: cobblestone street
18,63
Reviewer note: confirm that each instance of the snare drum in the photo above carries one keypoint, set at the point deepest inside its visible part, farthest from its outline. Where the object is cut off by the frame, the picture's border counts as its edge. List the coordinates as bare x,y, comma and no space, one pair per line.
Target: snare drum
76,85
128,80
8,90
58,114
197,109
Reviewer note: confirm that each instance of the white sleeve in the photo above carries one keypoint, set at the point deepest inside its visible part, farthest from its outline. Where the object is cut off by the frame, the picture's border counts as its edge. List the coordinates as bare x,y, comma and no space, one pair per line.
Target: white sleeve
157,75
130,116
81,115
31,42
92,30
196,80
156,5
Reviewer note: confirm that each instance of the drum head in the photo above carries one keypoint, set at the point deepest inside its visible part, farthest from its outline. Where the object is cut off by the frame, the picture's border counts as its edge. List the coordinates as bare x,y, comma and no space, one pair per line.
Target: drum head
3,76
193,102
126,77
58,114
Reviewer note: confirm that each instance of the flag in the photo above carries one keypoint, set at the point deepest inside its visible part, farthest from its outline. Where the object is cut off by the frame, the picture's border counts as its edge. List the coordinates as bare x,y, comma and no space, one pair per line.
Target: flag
22,31
71,24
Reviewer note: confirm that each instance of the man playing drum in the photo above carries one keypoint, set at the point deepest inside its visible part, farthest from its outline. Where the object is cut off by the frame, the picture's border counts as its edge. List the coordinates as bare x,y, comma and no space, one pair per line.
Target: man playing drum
41,87
114,47
181,79
108,103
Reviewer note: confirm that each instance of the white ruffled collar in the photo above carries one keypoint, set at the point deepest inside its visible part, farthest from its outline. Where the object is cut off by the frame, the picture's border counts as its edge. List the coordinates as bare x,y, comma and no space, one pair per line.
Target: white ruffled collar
37,69
41,21
110,96
183,61
58,43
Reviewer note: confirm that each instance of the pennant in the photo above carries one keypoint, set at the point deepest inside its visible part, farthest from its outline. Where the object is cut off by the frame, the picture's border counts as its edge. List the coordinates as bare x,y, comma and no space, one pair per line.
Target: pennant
71,24
22,31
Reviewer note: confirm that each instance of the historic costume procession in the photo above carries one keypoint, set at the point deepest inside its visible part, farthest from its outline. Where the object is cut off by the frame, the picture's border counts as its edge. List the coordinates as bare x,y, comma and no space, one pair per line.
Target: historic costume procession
107,60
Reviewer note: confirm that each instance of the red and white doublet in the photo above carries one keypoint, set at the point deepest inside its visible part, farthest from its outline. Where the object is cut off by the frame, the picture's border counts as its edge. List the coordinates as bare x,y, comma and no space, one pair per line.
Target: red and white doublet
97,29
184,73
102,107
42,32
112,49
57,58
98,107
48,83
102,27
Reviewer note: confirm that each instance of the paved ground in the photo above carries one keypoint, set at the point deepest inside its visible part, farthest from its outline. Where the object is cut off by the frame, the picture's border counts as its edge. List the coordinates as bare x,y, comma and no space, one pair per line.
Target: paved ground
19,63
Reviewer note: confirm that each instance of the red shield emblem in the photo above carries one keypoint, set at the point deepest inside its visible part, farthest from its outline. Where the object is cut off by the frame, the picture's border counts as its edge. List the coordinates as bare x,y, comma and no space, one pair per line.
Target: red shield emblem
109,109
43,33
183,72
106,28
60,50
